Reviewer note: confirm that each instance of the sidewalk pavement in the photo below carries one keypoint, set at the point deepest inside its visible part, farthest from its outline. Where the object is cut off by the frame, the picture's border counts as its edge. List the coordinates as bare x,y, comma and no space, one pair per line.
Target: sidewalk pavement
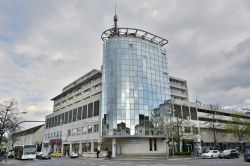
140,157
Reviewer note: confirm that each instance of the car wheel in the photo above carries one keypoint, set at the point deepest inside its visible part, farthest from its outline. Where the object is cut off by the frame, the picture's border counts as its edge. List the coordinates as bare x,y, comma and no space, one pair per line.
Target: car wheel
229,157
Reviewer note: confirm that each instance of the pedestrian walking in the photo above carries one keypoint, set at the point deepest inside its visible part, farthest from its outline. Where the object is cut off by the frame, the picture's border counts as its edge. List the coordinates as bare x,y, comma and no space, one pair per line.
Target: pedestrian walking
97,153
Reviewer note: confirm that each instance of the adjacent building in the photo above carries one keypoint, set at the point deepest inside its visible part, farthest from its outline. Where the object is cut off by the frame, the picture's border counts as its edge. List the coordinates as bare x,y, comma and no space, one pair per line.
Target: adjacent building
31,136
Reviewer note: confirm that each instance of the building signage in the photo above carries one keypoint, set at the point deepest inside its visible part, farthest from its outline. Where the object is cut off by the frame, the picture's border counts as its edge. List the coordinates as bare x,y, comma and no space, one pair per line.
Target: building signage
55,142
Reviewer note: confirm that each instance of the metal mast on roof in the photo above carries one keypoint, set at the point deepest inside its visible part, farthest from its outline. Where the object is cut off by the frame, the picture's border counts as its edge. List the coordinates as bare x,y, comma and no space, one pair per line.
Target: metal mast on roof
115,21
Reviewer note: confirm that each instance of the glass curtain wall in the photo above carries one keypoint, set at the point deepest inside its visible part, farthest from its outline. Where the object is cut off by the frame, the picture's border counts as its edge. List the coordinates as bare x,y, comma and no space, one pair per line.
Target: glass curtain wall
135,85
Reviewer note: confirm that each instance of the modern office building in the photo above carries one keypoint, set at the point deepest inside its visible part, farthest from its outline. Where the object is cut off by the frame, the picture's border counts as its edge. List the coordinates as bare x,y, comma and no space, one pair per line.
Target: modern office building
74,123
135,83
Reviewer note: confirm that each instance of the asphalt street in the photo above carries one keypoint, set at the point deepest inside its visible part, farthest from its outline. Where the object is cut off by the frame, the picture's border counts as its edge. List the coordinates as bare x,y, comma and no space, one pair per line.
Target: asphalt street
132,162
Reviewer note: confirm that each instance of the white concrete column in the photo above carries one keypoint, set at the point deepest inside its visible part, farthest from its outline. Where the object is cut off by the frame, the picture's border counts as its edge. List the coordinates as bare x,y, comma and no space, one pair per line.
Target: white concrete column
113,147
92,147
70,147
62,149
80,148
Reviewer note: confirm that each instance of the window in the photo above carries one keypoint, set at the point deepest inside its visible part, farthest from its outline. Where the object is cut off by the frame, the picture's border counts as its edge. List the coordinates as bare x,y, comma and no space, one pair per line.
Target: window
58,120
90,110
84,130
66,117
79,113
74,114
185,111
193,113
69,132
155,145
90,129
187,129
53,122
74,131
62,118
70,116
79,131
96,128
84,112
96,108
195,130
86,147
177,112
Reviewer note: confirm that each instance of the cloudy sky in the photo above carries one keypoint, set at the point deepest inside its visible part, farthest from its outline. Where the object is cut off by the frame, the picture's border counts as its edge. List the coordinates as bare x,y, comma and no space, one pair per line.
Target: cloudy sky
46,44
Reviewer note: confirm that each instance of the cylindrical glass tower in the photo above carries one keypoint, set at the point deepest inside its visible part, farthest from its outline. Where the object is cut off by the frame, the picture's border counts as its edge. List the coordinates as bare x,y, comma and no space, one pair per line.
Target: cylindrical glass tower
135,82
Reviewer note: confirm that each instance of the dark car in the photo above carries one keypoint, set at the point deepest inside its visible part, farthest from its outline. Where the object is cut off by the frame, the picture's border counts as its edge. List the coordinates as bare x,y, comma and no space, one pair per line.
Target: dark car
247,155
230,153
43,155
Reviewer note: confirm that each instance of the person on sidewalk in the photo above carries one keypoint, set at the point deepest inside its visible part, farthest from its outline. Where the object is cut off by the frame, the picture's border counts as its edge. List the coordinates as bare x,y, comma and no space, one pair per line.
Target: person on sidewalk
97,152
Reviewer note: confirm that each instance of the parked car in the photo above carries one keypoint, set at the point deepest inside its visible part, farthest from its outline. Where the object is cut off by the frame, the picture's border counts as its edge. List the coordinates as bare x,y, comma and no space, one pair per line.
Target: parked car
38,154
230,153
211,154
73,155
55,155
247,155
43,155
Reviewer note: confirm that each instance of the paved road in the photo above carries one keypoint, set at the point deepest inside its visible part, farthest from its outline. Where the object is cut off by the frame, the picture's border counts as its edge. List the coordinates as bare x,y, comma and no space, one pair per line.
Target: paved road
102,162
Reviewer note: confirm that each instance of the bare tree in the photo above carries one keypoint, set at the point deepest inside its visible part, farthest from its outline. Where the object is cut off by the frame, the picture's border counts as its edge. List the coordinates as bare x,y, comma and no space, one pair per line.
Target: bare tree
213,125
8,118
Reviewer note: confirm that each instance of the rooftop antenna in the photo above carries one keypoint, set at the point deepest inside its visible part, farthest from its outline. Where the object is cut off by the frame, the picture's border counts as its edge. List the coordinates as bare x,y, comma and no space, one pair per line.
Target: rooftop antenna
115,20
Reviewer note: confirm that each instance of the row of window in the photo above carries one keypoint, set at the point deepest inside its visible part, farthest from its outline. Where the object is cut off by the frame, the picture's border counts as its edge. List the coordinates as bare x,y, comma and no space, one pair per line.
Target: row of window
83,112
83,130
53,135
78,95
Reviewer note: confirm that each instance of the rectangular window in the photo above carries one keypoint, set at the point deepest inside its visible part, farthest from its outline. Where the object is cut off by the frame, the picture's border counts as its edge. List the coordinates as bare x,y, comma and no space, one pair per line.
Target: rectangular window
47,123
185,111
53,121
74,114
74,131
150,144
195,130
90,110
177,112
84,130
79,113
155,145
96,108
84,112
70,116
96,128
66,117
86,147
69,132
79,131
59,120
90,129
62,118
187,129
193,113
